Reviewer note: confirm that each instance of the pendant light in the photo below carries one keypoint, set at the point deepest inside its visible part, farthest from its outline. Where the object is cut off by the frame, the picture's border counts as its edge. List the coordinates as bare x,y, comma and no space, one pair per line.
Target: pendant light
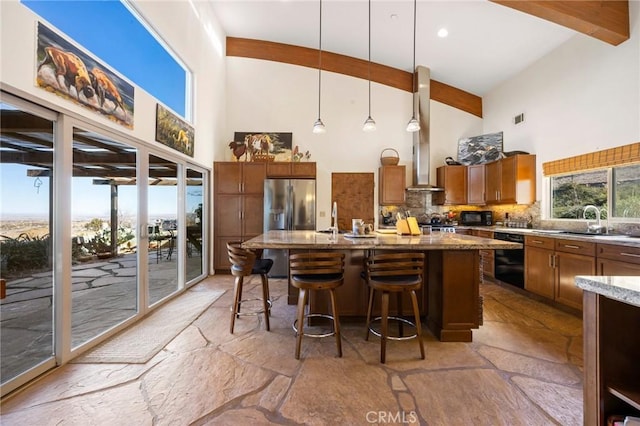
369,123
413,125
318,126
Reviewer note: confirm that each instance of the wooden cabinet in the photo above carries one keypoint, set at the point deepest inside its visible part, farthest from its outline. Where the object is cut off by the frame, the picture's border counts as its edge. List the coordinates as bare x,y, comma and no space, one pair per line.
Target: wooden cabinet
511,180
618,260
611,368
552,264
475,184
297,170
454,181
391,185
538,266
572,258
487,258
238,205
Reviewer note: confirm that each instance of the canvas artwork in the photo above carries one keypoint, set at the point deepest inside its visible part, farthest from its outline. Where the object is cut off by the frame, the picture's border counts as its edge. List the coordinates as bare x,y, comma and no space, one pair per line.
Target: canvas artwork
261,146
173,131
70,73
480,149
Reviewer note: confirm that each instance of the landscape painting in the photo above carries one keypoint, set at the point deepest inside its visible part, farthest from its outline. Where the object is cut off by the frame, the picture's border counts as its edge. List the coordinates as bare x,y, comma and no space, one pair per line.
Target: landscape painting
480,149
74,75
261,146
173,131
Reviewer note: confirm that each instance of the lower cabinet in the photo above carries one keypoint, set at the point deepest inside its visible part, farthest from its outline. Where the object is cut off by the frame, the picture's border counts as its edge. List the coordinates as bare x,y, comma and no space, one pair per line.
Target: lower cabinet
570,262
538,266
618,260
551,266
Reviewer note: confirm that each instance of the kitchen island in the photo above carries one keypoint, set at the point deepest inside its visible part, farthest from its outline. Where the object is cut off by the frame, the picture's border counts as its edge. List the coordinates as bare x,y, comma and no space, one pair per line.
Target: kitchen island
450,300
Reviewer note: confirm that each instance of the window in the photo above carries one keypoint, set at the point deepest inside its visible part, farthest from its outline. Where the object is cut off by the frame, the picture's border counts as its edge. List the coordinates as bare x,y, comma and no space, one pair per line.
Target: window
120,29
626,191
615,187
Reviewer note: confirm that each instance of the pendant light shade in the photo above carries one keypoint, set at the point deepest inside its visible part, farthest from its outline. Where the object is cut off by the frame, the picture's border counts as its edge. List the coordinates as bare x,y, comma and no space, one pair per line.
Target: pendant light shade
369,123
318,126
413,125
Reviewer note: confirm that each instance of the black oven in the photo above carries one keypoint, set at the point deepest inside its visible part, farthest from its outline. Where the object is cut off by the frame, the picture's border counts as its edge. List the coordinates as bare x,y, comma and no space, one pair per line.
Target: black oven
476,217
509,264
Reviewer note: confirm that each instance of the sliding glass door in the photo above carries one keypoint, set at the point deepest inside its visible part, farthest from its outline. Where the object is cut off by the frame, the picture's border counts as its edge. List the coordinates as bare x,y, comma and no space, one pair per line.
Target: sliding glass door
27,147
194,210
103,234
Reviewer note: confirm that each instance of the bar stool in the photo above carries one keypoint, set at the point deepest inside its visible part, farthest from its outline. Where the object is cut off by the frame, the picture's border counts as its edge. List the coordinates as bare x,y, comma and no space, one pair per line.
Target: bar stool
394,273
311,272
243,264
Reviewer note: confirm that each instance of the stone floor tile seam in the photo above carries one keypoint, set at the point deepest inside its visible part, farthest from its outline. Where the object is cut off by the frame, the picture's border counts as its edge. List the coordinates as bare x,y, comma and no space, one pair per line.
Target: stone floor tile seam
535,404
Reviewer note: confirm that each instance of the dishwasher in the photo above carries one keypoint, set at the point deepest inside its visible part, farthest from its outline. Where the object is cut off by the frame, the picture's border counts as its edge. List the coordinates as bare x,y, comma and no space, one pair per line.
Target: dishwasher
509,264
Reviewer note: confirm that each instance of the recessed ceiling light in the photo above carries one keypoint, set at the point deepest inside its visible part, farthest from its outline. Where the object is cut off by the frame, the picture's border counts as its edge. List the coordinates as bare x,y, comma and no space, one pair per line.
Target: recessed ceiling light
442,32
394,16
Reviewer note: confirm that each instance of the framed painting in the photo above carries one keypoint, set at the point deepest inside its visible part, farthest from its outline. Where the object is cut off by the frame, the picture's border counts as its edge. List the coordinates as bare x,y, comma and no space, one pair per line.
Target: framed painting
480,149
261,146
69,72
173,131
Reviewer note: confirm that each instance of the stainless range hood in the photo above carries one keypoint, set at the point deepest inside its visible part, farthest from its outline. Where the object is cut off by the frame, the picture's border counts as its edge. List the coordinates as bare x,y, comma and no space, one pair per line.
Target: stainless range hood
421,158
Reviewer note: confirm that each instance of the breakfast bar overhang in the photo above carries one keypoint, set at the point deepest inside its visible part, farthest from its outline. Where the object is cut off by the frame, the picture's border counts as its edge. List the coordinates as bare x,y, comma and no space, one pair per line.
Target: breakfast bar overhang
450,296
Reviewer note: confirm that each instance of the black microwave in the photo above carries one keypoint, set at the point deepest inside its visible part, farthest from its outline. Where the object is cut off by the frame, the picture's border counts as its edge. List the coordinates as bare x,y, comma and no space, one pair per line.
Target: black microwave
476,218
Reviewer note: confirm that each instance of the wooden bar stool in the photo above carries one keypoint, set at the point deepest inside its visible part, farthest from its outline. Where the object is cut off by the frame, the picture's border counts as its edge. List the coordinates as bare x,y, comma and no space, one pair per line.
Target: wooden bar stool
394,273
243,264
316,271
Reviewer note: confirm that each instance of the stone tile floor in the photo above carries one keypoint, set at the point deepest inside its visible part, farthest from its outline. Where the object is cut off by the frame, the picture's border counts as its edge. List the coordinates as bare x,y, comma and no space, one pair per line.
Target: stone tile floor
523,368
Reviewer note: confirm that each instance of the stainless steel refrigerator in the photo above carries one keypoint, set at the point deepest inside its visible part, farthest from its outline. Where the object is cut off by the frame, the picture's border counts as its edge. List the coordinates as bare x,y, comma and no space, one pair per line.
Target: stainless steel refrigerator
289,204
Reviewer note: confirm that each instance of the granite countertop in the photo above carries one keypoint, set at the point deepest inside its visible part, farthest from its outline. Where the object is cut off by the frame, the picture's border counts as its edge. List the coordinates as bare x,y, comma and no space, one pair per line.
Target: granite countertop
318,240
618,239
623,289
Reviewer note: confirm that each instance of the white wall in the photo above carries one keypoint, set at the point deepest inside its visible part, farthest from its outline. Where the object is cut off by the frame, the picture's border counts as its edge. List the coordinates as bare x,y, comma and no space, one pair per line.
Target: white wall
202,55
275,97
582,97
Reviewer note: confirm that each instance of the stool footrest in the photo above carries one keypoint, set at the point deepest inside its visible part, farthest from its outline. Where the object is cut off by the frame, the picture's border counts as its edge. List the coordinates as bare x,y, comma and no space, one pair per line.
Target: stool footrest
330,317
400,319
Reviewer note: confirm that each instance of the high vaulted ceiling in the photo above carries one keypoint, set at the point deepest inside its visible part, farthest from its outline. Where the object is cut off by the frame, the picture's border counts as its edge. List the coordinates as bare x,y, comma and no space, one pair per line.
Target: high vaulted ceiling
487,42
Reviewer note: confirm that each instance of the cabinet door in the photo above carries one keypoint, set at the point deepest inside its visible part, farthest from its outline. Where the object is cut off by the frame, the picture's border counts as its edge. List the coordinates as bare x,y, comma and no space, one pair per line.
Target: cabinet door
475,184
221,257
493,182
303,170
228,211
391,185
228,178
278,169
454,181
253,177
508,180
539,273
568,265
252,216
614,267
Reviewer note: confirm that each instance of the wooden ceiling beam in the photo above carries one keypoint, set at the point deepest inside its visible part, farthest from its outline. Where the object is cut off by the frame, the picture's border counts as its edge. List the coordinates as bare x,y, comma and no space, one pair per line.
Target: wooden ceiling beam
354,67
606,20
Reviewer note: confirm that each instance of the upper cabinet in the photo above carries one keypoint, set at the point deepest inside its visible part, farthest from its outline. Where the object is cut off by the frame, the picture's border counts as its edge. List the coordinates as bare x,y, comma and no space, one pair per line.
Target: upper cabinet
298,170
475,184
391,185
511,180
239,177
454,181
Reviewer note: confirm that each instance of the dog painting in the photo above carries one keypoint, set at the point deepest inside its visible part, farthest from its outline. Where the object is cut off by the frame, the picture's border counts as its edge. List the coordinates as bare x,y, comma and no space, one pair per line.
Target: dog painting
174,132
70,73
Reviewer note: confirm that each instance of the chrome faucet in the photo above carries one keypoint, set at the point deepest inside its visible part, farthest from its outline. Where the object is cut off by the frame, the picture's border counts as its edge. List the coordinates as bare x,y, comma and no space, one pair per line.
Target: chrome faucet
596,228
